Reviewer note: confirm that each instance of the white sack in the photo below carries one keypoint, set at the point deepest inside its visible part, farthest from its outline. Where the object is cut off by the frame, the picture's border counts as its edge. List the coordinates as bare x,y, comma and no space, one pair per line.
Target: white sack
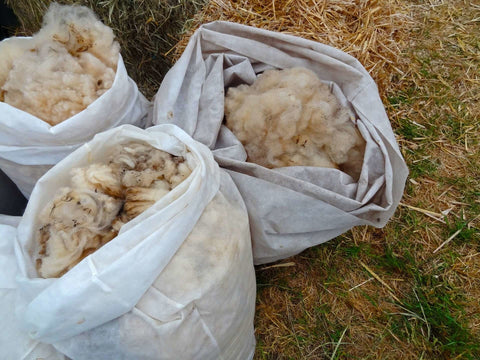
290,208
30,146
177,282
15,344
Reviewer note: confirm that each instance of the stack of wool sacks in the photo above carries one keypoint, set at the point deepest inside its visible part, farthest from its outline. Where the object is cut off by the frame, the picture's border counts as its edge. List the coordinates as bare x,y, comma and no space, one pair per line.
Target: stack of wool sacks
58,89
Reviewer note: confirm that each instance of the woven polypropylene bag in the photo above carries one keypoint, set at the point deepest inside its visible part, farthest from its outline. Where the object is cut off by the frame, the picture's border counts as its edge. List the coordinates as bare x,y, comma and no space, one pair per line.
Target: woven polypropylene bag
289,208
15,343
176,283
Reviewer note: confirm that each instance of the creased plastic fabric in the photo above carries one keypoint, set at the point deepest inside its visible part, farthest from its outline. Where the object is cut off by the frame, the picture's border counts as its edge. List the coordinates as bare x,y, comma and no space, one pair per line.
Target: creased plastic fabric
29,146
290,208
177,282
14,342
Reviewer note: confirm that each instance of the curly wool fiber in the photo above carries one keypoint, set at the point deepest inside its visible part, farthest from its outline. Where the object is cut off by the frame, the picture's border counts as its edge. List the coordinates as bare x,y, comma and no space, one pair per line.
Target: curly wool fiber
75,223
100,199
63,68
290,118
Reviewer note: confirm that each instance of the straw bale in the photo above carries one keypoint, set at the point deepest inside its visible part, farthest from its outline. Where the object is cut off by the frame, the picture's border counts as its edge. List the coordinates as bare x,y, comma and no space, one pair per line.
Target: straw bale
373,31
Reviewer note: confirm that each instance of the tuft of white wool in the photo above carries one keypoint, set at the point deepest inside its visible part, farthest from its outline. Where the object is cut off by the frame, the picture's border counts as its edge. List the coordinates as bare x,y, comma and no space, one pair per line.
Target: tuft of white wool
97,177
74,223
182,172
142,165
290,118
10,50
80,30
101,198
63,68
148,174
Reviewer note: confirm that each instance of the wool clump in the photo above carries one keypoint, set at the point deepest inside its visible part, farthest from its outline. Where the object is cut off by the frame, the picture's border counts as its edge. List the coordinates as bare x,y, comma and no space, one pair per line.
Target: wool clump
63,68
290,118
101,198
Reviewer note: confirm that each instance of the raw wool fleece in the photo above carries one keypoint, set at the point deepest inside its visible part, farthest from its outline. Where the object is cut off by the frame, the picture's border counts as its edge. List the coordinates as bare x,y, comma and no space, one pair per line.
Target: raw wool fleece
63,68
290,208
290,118
176,282
101,198
30,146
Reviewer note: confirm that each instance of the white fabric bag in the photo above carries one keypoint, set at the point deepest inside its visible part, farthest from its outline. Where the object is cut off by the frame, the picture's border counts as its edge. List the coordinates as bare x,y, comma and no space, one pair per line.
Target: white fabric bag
176,283
15,344
30,146
290,208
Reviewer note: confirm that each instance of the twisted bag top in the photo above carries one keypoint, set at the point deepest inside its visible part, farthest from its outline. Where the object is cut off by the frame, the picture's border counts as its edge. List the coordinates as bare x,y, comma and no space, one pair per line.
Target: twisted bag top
290,208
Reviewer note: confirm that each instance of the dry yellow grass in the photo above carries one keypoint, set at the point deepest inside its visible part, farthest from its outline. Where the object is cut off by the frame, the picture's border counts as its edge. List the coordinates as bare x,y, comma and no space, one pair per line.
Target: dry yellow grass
372,31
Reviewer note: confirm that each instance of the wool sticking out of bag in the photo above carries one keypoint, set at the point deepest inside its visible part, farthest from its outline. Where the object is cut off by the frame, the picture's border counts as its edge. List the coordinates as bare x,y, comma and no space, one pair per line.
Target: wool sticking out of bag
63,68
75,224
102,197
290,118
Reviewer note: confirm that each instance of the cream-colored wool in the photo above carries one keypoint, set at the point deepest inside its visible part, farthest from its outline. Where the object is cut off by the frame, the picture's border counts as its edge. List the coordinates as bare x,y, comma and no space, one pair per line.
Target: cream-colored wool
10,50
74,224
139,199
290,118
63,68
98,177
103,197
140,165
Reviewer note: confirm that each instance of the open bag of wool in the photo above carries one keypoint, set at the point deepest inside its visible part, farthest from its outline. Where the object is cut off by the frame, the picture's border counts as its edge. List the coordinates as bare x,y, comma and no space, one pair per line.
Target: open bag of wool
306,137
14,342
137,246
58,89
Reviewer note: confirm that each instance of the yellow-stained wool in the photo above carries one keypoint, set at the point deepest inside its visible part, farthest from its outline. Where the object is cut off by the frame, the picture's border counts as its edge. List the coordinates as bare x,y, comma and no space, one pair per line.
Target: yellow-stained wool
102,198
290,118
139,199
63,68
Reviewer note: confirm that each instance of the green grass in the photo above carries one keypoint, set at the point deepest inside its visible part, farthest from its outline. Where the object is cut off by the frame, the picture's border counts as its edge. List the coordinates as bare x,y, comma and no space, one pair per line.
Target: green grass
423,167
434,318
411,131
393,263
466,234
